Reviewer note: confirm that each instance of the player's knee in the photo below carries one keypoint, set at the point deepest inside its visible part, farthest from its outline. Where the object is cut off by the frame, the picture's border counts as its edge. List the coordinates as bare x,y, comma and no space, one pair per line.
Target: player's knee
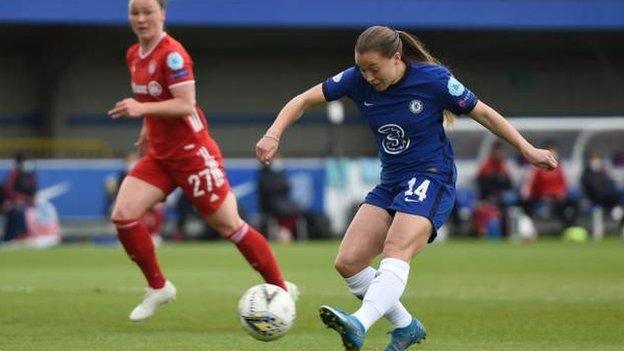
227,228
348,266
122,213
399,249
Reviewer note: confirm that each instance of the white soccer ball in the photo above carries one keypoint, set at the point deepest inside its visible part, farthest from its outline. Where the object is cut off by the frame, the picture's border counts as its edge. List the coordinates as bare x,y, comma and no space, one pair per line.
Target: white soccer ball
266,312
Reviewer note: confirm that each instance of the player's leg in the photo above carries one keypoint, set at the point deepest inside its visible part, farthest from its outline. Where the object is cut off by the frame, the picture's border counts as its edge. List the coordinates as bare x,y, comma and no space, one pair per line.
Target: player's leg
135,197
422,206
362,242
146,185
407,235
251,244
205,184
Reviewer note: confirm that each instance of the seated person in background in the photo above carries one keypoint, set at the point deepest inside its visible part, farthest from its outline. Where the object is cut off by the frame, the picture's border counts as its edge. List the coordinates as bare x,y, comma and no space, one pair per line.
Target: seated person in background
19,191
495,192
493,179
275,202
548,190
599,186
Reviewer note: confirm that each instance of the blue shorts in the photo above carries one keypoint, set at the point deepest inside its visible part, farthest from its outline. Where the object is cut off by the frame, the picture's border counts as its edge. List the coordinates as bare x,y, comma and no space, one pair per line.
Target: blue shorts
419,195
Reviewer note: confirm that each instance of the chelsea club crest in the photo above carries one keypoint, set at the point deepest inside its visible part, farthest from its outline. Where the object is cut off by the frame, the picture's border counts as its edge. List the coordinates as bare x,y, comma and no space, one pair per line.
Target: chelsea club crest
416,106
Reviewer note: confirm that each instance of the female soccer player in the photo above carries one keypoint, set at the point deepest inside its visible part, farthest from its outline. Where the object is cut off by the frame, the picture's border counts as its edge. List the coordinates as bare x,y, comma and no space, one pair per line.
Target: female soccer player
403,93
180,152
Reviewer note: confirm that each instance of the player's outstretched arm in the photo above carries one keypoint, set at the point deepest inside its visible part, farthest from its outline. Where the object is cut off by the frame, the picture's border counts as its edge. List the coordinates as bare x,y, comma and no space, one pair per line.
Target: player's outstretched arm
182,105
267,145
497,124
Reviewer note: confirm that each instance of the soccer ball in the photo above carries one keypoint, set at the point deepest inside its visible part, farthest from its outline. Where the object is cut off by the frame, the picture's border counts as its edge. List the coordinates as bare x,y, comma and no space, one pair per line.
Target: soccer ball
266,312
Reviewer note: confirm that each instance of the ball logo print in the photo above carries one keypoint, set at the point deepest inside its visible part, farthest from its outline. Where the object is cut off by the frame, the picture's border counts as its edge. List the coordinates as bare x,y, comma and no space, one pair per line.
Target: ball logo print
416,106
395,140
175,61
455,88
266,312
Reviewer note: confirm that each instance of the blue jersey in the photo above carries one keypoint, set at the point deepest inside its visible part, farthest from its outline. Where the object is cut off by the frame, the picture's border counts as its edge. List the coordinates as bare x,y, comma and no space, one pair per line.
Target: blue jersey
407,117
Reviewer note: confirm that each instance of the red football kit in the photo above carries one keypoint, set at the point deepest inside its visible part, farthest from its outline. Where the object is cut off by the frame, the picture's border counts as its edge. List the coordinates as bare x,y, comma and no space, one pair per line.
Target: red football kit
180,150
181,153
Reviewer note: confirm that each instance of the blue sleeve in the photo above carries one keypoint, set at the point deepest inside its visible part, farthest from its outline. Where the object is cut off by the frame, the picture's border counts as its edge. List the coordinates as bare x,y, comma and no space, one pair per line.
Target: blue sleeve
454,96
342,84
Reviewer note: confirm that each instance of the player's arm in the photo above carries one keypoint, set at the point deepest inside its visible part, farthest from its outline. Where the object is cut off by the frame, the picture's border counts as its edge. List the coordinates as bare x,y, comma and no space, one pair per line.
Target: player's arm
497,124
267,146
182,105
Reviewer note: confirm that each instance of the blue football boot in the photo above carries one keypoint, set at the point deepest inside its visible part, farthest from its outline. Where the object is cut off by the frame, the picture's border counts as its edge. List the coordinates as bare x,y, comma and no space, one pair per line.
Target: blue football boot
402,338
350,329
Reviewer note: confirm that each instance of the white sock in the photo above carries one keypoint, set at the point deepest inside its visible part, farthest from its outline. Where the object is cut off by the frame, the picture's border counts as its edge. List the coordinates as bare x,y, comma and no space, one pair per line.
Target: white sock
384,291
358,285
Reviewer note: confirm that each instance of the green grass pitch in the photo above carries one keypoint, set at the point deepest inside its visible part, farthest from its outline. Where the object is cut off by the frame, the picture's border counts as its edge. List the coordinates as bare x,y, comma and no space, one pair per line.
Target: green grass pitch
470,295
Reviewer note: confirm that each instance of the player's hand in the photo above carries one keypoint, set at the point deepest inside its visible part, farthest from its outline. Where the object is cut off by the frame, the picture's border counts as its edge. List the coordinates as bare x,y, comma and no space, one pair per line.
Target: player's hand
141,143
541,158
266,148
127,108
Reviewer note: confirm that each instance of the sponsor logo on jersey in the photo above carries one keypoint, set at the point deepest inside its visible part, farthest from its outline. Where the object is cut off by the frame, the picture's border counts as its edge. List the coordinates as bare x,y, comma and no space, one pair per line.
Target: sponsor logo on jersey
175,61
179,73
395,141
154,88
416,106
139,89
151,68
455,88
337,77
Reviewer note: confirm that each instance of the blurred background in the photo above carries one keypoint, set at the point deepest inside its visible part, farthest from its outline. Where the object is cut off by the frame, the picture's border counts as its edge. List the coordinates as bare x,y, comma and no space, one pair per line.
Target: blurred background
554,68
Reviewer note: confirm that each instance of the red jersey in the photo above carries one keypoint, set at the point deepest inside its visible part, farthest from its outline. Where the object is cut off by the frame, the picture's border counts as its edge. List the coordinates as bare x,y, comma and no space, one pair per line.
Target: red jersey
153,74
493,166
542,183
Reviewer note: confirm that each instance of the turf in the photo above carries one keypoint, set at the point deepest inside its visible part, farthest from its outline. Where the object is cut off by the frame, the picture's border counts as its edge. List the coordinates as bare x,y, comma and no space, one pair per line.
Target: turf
470,295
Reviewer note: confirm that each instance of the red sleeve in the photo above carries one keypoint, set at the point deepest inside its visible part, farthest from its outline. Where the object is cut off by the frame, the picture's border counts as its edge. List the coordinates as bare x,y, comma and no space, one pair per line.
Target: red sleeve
130,53
178,67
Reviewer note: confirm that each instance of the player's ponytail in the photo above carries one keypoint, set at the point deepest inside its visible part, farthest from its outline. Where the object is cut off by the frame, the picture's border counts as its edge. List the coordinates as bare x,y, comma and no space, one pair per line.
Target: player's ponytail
415,50
387,42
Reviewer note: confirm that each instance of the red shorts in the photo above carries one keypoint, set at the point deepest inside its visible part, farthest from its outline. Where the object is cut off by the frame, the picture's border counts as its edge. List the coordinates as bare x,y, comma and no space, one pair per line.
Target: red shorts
199,172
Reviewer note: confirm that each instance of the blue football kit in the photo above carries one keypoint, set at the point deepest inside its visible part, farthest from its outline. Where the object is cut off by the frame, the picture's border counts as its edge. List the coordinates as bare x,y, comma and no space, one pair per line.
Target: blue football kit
418,172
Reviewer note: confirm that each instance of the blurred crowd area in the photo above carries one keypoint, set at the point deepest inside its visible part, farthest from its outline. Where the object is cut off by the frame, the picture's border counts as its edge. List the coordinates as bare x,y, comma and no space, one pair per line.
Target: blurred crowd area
498,195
